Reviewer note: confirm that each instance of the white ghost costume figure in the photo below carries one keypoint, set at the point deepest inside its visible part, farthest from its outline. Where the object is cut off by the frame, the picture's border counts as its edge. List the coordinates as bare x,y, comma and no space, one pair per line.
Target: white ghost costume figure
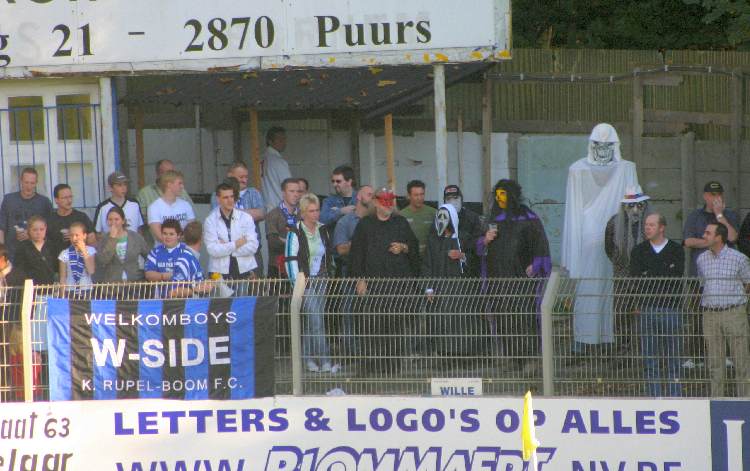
596,184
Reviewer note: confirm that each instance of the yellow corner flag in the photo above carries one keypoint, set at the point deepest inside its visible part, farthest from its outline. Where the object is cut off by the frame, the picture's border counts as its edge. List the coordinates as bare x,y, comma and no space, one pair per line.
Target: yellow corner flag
529,442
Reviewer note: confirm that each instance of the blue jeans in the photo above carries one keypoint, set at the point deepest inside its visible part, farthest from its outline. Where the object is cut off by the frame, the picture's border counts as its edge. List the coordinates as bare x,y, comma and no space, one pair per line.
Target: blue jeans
661,350
314,342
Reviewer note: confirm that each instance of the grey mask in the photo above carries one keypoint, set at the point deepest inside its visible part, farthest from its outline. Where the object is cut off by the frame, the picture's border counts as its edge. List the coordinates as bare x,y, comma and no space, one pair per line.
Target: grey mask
456,203
604,152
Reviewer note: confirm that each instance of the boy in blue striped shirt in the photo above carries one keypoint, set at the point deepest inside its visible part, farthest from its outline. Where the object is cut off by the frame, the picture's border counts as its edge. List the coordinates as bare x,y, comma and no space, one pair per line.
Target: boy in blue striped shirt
160,263
187,267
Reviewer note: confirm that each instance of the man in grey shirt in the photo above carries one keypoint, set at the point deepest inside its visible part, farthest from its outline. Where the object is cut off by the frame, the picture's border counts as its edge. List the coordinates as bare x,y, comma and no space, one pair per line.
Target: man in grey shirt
342,241
342,237
725,275
18,207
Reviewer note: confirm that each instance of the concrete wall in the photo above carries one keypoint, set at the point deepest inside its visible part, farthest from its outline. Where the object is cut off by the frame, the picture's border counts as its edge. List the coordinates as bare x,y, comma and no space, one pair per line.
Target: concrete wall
313,154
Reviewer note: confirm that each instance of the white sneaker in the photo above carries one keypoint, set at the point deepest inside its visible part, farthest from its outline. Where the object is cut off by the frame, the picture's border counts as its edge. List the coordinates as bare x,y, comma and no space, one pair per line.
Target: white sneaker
312,366
688,364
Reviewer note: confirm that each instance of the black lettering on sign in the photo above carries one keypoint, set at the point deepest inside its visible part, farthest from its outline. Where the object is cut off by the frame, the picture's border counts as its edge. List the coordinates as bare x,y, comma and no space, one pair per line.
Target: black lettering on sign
41,2
4,58
263,38
324,29
65,36
423,30
218,29
196,25
63,51
376,34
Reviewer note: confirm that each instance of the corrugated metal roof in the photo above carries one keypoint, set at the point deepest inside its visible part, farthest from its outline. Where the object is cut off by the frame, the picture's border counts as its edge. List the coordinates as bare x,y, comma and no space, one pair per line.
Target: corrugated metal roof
367,89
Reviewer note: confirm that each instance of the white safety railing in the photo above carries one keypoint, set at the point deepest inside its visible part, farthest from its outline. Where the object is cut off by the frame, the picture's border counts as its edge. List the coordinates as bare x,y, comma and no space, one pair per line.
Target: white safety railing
629,337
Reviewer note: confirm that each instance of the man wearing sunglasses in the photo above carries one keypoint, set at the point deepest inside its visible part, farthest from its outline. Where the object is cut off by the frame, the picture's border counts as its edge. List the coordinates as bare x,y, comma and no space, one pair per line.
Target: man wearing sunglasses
344,200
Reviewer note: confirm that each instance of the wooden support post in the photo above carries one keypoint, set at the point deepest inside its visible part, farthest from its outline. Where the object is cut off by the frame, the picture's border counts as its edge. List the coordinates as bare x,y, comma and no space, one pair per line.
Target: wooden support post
638,120
460,147
389,158
441,127
108,109
199,146
738,82
354,129
255,149
486,143
687,177
237,137
120,85
139,147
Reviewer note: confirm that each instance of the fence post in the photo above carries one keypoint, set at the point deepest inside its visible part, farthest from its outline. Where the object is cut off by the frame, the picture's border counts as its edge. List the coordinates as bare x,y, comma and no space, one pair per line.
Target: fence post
548,355
27,308
296,333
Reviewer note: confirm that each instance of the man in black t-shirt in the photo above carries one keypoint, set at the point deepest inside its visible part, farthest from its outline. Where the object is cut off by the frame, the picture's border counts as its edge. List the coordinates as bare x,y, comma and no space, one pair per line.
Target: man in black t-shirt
58,223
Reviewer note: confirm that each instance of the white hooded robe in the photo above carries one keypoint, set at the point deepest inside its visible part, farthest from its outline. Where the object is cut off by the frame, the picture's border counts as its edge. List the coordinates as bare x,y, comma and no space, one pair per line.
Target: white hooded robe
592,197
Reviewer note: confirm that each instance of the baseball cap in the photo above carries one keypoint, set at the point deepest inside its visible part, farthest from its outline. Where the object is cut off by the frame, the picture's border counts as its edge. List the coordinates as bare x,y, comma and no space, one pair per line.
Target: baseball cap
117,177
713,187
386,197
452,191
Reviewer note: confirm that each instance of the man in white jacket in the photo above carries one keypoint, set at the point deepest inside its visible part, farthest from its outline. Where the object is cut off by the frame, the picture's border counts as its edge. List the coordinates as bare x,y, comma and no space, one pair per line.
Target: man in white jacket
230,238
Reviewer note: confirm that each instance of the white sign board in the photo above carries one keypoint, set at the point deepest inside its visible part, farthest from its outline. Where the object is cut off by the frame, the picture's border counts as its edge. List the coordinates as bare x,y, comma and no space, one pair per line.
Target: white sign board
55,36
456,386
368,434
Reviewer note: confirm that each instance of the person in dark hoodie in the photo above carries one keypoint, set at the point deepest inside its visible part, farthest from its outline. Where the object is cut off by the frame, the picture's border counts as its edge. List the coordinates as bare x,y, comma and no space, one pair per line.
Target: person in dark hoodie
469,229
515,246
443,265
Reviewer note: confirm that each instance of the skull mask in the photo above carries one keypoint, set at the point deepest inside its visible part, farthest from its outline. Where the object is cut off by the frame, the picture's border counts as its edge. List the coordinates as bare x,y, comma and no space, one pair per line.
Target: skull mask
603,152
442,221
635,211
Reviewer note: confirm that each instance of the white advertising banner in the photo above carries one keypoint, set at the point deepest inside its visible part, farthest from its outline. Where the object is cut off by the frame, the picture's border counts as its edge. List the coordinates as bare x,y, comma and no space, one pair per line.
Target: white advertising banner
361,433
91,35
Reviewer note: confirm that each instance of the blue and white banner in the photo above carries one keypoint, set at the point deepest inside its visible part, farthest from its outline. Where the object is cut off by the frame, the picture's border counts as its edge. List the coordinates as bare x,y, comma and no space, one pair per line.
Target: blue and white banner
360,433
202,348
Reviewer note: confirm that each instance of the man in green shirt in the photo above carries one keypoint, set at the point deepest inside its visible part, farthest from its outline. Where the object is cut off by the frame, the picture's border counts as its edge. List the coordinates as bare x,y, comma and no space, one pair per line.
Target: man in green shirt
419,216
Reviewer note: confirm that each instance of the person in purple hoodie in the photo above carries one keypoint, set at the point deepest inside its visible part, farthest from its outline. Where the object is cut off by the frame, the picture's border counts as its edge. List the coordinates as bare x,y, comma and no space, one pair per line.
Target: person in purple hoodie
515,246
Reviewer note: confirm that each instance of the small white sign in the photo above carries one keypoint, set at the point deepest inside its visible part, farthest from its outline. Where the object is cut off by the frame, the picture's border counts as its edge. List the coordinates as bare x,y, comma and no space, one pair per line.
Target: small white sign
456,386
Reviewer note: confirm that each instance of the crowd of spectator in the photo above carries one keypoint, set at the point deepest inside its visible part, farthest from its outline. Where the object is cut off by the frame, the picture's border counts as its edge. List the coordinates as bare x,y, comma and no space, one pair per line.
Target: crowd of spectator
359,233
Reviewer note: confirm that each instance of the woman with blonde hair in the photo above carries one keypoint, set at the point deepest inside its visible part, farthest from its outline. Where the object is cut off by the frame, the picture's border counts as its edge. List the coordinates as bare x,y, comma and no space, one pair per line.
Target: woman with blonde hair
309,251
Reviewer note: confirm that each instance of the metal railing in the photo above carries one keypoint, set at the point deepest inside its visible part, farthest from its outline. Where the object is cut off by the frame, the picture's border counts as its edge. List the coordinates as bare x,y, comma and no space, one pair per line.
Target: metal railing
628,337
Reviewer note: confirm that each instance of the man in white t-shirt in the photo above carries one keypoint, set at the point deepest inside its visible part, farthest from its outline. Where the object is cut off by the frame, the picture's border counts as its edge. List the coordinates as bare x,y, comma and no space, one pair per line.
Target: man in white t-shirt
169,205
275,168
118,184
